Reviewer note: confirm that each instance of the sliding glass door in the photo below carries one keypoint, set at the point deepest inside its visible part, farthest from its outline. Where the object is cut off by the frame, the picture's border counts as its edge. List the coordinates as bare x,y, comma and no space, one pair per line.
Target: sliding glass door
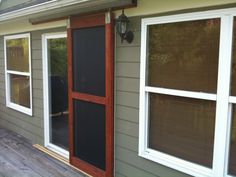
56,92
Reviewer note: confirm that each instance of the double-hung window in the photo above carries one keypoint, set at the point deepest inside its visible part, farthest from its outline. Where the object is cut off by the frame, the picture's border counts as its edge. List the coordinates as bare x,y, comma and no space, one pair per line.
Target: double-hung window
18,73
188,92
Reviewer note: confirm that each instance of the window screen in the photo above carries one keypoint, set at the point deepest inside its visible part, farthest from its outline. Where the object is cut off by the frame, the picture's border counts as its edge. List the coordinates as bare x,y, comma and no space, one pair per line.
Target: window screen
89,60
89,134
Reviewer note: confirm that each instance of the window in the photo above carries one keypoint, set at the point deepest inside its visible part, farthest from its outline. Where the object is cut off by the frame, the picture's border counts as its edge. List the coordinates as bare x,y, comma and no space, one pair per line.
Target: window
18,73
232,98
187,113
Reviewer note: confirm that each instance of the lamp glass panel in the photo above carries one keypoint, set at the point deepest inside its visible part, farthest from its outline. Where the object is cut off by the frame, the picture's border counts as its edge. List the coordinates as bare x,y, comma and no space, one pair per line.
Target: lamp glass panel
123,27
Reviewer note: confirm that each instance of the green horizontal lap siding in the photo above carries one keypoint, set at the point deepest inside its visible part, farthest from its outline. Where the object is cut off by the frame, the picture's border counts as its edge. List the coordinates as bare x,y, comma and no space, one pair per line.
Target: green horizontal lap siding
127,71
127,84
31,127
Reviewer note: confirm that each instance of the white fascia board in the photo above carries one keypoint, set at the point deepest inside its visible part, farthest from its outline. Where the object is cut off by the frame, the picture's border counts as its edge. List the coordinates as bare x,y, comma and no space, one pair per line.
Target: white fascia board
54,4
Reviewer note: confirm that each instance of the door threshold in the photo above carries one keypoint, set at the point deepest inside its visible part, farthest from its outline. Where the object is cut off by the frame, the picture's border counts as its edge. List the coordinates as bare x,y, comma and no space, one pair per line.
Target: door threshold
51,153
58,150
58,157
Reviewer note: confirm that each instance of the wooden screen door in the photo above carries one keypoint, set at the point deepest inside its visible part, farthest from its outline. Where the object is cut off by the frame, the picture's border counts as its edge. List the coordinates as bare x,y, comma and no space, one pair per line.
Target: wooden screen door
90,61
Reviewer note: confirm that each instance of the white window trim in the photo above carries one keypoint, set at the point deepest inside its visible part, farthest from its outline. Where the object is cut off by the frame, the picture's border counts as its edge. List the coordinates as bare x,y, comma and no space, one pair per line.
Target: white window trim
222,98
47,142
10,104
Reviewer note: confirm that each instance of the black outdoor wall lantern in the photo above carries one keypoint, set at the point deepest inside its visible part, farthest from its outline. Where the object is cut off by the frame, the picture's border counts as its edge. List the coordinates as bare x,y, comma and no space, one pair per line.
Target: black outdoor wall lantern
121,27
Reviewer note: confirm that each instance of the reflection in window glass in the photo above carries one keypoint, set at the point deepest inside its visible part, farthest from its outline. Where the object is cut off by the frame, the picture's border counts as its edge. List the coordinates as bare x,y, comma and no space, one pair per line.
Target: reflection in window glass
18,54
18,72
232,157
182,127
232,153
58,92
20,90
233,78
184,55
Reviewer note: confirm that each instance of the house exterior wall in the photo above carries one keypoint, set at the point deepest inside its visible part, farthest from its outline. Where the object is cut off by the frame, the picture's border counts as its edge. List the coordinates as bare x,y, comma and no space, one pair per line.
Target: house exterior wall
32,127
127,71
148,7
127,61
127,76
23,25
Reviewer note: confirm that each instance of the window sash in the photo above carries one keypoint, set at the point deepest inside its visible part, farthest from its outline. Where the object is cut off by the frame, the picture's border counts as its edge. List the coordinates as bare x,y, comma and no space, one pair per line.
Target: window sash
222,125
181,93
10,104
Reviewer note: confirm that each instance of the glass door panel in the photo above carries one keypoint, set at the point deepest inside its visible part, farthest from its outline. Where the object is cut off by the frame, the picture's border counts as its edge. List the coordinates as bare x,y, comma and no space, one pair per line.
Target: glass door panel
58,92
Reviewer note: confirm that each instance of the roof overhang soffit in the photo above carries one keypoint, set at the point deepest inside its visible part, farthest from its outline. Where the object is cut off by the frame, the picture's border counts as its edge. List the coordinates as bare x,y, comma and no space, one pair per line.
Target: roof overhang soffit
56,9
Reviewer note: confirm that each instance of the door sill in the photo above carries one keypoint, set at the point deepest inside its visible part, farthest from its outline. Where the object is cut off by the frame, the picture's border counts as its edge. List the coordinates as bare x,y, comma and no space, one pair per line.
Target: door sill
52,153
58,157
58,150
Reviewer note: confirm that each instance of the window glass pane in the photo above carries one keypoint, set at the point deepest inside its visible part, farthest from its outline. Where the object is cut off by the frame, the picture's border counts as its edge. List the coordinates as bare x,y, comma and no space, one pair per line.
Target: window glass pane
233,78
20,90
232,154
89,60
182,127
184,55
18,54
89,133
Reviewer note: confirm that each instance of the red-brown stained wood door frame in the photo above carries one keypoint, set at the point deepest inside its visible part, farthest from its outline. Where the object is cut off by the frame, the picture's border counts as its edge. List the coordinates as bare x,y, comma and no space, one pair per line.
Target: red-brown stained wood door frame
77,22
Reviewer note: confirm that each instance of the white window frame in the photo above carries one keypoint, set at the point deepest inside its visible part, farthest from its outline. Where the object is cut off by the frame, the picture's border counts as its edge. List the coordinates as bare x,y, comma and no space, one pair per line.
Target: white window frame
47,143
10,104
222,98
